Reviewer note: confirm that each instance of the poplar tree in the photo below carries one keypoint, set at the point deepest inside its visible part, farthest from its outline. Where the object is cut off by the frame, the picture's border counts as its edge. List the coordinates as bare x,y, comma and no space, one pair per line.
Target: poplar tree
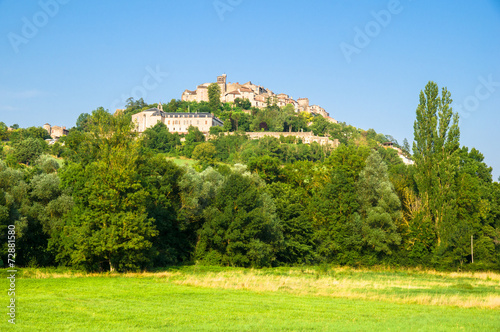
435,152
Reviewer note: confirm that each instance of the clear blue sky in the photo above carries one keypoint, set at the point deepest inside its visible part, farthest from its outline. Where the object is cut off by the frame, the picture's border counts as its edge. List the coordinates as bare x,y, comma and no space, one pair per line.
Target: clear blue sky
84,54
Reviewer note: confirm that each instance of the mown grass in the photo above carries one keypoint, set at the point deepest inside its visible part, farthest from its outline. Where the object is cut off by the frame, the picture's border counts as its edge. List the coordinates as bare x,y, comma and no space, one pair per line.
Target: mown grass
233,299
182,161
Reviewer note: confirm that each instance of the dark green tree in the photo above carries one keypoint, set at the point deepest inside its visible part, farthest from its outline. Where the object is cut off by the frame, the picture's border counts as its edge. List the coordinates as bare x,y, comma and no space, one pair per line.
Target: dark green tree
159,139
241,227
28,150
379,207
214,96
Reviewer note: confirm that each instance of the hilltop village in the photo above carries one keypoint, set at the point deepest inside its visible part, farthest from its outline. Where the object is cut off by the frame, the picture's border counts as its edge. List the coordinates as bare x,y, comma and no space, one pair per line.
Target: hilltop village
256,94
258,97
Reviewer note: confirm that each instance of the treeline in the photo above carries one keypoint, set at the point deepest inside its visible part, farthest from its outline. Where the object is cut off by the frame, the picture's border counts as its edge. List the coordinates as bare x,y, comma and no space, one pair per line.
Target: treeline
117,202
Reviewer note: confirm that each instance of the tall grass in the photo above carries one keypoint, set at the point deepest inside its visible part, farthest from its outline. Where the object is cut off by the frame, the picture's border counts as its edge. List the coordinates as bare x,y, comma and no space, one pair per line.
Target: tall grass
409,286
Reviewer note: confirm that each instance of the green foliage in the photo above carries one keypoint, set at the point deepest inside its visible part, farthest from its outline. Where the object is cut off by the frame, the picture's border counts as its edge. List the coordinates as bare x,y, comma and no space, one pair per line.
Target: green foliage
379,207
268,168
159,139
28,150
47,164
160,178
119,204
35,204
298,244
214,96
205,153
436,160
4,133
241,227
82,122
109,227
242,103
134,106
31,132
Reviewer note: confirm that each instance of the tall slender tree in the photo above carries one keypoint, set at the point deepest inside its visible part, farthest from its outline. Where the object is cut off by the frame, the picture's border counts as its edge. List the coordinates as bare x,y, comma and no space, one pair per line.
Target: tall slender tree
214,96
435,152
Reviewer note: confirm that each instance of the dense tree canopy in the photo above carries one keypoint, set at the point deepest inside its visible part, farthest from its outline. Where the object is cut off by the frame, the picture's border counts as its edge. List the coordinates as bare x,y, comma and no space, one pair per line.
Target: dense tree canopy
105,198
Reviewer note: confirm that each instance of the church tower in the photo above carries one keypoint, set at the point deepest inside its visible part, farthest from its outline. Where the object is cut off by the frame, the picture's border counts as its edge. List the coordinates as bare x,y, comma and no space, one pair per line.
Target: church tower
160,106
221,80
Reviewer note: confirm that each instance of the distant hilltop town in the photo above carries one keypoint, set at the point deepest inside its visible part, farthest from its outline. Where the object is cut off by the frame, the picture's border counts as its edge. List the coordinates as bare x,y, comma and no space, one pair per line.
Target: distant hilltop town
257,95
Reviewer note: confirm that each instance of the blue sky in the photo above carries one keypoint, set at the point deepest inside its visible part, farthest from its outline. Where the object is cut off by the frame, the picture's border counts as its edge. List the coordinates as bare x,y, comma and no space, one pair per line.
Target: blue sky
365,62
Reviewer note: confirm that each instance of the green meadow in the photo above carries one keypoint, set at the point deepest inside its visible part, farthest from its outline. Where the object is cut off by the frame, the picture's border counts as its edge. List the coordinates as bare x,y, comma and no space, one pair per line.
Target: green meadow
233,299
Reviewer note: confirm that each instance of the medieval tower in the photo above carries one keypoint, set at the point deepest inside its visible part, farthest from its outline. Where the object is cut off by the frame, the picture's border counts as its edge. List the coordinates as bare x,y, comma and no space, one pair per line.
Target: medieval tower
221,80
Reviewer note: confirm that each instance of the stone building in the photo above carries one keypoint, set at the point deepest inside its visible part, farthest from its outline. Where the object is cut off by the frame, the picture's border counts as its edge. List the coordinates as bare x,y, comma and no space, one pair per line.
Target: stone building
175,122
55,132
256,94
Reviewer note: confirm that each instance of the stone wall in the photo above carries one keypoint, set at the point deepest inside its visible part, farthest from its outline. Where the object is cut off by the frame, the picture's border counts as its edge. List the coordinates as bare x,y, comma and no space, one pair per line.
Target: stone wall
307,137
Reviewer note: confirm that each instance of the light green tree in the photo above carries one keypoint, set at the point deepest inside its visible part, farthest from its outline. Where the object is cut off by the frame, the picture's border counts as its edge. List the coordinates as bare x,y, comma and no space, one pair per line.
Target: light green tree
205,153
435,152
109,226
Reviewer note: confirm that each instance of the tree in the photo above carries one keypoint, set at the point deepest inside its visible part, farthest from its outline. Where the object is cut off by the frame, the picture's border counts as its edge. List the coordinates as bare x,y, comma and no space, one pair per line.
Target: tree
109,227
379,206
159,139
28,150
242,103
298,244
160,178
267,167
436,158
214,96
4,133
31,132
82,121
194,135
241,227
205,153
406,147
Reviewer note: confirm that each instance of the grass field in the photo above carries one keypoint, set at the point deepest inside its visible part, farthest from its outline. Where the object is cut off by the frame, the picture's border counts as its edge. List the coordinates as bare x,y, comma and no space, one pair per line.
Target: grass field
182,161
230,299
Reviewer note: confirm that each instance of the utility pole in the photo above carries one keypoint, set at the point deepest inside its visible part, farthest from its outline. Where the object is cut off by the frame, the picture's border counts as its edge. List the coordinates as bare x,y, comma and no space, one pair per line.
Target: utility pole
472,248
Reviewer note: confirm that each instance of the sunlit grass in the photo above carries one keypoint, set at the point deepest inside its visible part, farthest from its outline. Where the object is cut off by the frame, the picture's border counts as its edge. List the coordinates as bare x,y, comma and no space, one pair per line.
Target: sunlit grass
182,161
409,286
194,299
